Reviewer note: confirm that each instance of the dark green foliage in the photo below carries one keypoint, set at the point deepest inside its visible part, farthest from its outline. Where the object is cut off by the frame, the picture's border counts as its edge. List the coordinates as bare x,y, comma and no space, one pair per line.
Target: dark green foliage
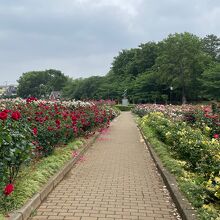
146,88
181,62
135,61
40,83
124,108
211,82
15,149
88,88
211,45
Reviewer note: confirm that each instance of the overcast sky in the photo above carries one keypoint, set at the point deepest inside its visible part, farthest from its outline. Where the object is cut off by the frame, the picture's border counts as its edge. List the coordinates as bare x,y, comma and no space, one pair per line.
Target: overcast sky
81,37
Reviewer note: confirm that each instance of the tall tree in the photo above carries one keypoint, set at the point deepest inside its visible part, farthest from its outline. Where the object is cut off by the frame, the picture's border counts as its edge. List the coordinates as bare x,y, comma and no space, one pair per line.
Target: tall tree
122,64
181,61
135,61
211,45
57,79
211,82
68,91
147,87
40,83
87,88
145,57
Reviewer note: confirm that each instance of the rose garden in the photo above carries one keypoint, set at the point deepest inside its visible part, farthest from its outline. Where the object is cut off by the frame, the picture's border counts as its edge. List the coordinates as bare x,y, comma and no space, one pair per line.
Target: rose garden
33,131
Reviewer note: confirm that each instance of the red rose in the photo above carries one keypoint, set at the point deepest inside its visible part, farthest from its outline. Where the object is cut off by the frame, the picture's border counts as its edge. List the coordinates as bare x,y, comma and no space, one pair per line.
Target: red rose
9,189
7,110
216,136
58,123
31,99
34,130
16,115
74,118
207,109
49,128
75,129
3,115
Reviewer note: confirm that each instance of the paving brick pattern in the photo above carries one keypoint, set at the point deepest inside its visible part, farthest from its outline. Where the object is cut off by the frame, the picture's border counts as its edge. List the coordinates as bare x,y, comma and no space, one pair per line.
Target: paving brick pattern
117,179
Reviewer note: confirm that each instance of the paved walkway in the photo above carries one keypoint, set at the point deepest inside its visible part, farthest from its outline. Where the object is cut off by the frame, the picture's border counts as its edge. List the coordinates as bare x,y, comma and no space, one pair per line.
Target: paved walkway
116,180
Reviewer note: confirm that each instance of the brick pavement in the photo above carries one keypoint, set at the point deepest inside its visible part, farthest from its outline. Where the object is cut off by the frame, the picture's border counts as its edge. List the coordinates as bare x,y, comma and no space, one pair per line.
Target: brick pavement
116,180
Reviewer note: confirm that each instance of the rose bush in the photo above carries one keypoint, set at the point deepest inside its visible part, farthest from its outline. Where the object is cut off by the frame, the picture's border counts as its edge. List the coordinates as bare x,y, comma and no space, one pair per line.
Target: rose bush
186,143
15,149
31,129
176,112
196,150
206,118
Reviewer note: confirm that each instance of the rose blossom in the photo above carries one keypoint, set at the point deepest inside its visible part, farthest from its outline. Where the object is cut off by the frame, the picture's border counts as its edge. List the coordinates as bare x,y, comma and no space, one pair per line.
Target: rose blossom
16,115
3,115
34,130
8,189
216,136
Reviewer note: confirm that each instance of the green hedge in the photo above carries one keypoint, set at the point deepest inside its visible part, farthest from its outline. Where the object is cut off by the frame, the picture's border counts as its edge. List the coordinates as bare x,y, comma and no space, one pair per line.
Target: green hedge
124,107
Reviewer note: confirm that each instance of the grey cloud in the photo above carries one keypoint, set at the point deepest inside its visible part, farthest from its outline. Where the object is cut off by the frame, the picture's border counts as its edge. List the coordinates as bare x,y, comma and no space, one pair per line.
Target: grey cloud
81,37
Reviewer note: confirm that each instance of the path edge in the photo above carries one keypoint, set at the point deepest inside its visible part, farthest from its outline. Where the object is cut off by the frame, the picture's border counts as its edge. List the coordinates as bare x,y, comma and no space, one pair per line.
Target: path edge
33,203
183,206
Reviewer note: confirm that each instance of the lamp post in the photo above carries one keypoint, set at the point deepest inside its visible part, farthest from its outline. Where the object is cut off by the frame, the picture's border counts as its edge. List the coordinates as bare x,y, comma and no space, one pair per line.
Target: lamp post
171,89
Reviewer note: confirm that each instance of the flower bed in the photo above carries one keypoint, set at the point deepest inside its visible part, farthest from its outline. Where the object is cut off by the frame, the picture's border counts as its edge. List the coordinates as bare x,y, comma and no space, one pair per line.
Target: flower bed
206,118
173,111
191,136
31,129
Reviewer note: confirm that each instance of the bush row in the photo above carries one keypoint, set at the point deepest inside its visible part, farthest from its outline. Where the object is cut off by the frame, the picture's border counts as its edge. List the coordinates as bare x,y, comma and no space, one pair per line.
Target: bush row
206,118
31,129
124,107
199,153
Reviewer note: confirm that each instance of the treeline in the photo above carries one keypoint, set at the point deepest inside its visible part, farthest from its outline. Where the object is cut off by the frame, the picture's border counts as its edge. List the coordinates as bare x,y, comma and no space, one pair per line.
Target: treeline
180,68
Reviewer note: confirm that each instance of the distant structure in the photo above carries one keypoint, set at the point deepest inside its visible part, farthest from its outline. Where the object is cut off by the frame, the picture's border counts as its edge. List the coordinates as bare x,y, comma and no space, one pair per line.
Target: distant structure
125,100
54,95
125,94
8,91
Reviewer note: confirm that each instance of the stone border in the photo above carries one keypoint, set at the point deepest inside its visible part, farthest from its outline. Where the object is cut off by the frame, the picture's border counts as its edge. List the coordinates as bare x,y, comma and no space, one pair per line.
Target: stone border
186,211
25,212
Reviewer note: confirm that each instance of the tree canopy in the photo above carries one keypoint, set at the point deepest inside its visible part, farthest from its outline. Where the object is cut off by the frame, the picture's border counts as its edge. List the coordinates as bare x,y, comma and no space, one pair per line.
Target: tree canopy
181,62
182,67
40,83
211,82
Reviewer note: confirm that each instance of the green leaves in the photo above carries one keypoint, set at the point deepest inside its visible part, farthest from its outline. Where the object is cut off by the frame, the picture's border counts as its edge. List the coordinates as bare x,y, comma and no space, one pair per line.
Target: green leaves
211,45
193,157
8,138
211,82
186,143
40,83
181,62
15,148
